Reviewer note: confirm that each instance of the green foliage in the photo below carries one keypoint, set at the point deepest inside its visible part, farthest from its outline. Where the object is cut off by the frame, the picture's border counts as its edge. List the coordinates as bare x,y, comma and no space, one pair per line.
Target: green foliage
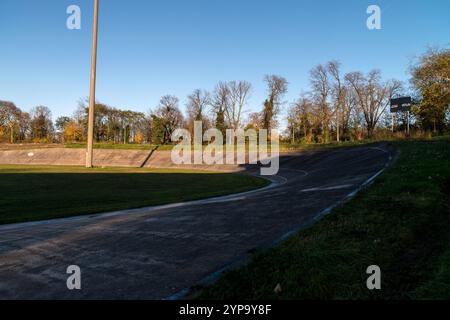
158,136
220,121
431,78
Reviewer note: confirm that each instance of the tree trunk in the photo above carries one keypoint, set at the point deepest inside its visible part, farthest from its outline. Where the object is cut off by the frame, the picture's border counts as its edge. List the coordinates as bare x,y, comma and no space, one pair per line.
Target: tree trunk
293,136
11,138
369,132
338,137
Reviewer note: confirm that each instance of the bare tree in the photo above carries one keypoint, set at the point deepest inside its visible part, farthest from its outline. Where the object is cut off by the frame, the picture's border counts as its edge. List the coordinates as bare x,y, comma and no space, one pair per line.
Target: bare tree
338,95
167,118
238,97
321,92
373,96
196,106
348,110
294,121
24,126
277,87
304,119
254,121
231,99
41,124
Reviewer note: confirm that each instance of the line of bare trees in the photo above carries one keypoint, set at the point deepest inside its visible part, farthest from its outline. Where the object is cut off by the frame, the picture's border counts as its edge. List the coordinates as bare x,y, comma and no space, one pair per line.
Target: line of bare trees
350,106
223,108
337,107
336,104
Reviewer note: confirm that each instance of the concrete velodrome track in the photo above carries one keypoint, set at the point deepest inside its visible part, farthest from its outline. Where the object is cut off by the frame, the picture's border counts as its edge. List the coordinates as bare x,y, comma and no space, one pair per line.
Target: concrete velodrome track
157,253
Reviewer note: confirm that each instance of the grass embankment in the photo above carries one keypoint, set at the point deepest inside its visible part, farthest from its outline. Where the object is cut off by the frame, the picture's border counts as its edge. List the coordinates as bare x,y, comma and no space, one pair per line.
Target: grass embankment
401,223
120,146
36,193
283,147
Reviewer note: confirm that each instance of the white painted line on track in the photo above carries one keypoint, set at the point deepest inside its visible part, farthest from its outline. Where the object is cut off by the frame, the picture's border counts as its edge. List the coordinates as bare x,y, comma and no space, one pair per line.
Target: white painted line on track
343,186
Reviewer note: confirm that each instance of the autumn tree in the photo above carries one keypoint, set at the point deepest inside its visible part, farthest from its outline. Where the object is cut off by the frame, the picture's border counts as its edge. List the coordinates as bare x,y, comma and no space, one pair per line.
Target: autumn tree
60,125
9,119
61,122
431,80
72,132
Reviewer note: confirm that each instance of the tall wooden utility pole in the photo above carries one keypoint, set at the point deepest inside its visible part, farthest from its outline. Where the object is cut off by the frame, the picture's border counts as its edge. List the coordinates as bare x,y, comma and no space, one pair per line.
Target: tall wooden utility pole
90,143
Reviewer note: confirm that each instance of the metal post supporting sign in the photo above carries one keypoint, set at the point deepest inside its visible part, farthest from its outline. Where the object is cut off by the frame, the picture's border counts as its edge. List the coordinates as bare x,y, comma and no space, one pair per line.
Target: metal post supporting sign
402,104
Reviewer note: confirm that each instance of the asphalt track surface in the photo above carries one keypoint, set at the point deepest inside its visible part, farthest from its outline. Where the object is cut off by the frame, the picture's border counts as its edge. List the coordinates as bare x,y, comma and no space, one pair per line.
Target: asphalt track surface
161,252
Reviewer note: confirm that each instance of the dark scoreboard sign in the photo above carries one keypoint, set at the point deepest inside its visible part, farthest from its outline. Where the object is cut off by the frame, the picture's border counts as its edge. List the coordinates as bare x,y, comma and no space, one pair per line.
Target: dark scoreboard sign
401,104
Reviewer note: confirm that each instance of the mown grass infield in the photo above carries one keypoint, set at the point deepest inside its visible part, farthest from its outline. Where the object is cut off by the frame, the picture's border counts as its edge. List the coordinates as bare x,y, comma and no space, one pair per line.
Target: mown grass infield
32,193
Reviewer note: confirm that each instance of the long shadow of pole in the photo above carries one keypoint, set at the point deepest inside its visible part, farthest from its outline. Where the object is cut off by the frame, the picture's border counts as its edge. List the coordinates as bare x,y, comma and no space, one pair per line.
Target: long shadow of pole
148,157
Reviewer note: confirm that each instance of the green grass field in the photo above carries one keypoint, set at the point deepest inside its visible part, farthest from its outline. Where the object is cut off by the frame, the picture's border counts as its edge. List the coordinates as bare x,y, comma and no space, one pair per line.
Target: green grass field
401,223
35,193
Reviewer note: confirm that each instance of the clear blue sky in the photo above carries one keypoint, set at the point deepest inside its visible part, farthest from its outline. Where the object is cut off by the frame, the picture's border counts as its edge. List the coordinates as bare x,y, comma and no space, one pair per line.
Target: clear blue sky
151,48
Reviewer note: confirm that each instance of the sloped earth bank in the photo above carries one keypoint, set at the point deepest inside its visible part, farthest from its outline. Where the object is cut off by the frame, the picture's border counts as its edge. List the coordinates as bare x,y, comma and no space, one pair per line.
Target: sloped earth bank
156,253
103,158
